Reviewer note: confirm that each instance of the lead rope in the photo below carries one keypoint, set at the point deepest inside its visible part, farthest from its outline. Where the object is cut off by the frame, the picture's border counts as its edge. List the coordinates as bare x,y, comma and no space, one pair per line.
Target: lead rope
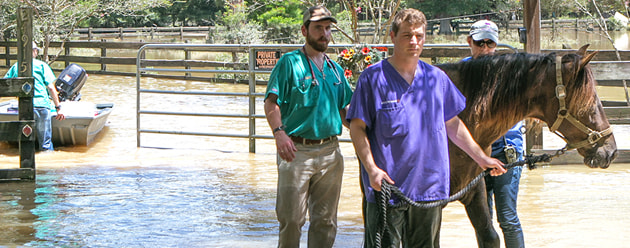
387,190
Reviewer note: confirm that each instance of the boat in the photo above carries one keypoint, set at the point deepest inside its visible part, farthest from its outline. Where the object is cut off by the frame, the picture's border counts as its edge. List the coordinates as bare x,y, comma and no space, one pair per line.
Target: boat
84,120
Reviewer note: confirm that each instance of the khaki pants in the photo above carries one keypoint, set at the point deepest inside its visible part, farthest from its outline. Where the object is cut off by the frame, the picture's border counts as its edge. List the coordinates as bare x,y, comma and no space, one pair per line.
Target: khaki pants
311,181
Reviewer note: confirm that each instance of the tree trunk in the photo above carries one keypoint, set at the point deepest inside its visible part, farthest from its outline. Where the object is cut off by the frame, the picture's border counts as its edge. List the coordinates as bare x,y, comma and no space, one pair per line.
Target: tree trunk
445,27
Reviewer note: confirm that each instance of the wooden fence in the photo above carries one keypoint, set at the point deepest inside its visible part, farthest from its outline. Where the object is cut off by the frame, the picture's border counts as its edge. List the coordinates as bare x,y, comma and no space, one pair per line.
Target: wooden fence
206,32
119,58
181,33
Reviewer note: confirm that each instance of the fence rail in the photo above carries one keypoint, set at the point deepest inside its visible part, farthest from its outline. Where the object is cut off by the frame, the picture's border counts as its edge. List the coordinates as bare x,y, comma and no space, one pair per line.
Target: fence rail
143,70
365,28
118,58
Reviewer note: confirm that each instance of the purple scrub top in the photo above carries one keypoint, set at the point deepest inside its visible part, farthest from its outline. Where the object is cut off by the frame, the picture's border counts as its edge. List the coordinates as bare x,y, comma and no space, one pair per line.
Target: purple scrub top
406,127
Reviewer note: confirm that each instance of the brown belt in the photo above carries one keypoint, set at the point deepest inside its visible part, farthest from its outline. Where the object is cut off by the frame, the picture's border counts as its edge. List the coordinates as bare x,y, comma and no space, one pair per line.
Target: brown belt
304,141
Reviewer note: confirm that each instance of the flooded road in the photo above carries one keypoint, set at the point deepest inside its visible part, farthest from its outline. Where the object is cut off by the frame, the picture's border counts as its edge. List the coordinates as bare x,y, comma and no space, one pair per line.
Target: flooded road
189,191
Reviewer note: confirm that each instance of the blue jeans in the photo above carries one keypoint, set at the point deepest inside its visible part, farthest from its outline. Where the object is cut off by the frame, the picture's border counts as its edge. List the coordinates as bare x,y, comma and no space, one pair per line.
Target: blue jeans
505,191
43,126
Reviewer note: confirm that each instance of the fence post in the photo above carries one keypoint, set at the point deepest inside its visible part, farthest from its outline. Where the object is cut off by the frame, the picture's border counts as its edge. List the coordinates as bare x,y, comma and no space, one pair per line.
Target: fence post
89,33
103,55
7,51
120,33
186,59
577,24
252,101
66,51
210,39
25,105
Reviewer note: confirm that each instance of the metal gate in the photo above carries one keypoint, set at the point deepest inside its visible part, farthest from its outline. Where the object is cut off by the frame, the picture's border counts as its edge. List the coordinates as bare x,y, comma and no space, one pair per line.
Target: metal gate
143,67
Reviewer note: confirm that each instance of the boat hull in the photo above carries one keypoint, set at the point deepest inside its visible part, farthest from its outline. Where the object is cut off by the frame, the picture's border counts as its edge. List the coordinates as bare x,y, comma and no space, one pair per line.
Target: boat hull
75,130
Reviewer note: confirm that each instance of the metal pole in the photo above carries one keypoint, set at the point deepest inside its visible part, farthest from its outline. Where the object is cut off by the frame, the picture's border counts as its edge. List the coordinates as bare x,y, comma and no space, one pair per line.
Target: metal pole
252,101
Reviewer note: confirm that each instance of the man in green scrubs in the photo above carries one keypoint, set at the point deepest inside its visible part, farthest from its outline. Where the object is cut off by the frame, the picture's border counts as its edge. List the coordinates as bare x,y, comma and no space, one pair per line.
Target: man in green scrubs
305,105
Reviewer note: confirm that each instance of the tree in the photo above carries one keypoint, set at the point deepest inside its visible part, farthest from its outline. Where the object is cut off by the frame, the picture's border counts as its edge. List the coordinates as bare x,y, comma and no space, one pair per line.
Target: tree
236,28
281,19
379,11
190,12
601,21
8,10
446,10
51,18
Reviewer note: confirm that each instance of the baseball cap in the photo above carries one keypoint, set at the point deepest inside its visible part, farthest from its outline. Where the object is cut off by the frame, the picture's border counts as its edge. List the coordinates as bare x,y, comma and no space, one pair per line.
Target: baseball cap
36,47
485,29
318,13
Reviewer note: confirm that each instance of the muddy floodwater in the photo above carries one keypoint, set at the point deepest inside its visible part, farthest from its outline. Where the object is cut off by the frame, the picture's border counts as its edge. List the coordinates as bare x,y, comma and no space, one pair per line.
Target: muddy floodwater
192,191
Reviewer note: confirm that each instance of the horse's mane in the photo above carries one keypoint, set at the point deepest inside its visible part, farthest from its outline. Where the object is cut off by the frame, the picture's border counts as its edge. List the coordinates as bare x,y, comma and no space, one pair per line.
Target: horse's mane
497,86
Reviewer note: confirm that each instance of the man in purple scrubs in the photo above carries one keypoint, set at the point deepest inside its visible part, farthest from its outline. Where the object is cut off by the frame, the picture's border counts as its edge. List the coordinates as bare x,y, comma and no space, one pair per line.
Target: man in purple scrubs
402,114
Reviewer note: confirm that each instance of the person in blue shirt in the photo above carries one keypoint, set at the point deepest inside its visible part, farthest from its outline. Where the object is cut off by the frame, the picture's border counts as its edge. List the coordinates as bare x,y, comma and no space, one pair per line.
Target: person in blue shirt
483,39
44,92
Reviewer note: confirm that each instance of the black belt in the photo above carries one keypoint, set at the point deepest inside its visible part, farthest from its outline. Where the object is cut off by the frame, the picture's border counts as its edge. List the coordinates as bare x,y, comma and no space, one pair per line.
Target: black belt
304,141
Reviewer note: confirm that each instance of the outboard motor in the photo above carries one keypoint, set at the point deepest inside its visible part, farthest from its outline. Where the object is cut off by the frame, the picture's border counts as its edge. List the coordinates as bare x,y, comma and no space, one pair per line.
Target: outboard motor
70,82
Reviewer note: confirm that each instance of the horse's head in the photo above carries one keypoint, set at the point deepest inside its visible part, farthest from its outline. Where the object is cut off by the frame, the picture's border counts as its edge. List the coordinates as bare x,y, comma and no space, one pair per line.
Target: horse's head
573,110
502,90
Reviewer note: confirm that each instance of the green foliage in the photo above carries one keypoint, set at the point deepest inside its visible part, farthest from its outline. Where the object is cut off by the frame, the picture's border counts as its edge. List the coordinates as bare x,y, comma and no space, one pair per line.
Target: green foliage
190,12
451,8
282,20
344,22
615,25
7,17
236,28
50,17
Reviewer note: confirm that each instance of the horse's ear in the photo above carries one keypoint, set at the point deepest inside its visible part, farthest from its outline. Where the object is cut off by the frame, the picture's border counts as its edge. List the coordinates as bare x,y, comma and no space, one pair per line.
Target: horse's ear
586,59
582,50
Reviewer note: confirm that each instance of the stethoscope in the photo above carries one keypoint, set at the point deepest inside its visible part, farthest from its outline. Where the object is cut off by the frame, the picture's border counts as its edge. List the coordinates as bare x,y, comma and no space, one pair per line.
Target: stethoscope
330,64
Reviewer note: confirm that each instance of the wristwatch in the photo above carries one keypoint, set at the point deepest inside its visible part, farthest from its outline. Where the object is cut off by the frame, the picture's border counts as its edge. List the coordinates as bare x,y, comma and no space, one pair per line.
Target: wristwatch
58,107
280,128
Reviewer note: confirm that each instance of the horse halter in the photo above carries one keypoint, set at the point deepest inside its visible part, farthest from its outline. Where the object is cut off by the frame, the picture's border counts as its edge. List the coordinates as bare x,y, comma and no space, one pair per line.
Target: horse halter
563,113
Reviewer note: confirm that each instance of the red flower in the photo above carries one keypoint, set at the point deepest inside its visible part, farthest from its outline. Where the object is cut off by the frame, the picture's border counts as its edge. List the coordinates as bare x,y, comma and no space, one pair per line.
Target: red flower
365,50
347,73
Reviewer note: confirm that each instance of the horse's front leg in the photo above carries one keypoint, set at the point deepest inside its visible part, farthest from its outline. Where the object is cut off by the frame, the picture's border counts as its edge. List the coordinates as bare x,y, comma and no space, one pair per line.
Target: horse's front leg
476,204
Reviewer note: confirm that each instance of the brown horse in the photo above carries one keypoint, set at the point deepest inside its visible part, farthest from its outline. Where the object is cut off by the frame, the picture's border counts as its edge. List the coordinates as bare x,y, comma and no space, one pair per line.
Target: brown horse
504,89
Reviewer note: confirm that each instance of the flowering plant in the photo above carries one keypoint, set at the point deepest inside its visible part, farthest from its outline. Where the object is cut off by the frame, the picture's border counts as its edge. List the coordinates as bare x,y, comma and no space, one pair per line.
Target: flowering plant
355,59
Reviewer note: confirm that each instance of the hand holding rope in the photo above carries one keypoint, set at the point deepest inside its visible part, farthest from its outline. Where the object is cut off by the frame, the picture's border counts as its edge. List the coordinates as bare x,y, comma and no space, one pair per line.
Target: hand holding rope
387,190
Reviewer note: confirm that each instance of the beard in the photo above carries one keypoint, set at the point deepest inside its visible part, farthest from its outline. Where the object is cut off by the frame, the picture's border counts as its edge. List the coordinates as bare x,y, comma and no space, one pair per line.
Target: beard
313,42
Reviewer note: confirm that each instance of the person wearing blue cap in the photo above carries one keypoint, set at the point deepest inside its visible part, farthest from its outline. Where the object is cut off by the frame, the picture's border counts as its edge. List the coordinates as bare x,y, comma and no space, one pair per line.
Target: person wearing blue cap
45,91
483,39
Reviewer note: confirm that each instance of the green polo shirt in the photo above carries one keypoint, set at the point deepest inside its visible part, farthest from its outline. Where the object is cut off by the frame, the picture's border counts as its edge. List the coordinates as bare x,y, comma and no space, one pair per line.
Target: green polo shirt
309,108
43,77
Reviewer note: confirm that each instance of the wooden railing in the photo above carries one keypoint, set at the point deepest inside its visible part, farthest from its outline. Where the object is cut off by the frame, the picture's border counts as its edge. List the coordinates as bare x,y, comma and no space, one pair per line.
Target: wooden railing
365,28
118,58
182,33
